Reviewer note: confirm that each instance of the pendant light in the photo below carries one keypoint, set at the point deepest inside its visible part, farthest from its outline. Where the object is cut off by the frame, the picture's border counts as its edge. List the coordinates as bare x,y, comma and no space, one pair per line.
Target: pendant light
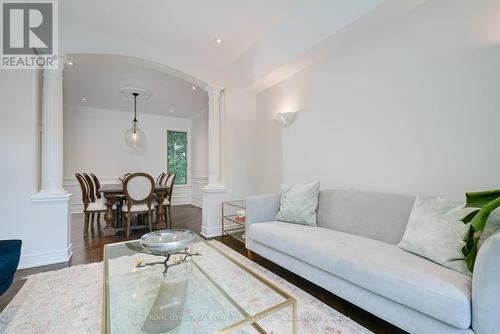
134,137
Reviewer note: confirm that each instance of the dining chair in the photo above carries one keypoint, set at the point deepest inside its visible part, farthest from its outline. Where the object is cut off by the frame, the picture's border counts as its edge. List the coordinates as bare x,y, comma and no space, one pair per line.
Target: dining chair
138,189
160,178
97,185
94,193
167,201
89,207
123,177
91,188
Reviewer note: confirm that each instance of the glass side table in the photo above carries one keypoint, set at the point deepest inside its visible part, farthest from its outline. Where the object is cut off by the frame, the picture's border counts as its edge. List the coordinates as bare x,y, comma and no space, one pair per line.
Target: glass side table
233,219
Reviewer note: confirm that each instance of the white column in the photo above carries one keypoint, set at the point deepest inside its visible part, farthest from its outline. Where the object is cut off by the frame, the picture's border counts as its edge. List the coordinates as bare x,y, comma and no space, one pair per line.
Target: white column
214,139
50,206
52,131
215,191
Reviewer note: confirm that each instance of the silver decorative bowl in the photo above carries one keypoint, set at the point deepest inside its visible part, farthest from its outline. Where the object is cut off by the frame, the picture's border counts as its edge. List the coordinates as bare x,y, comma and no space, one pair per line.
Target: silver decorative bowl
167,241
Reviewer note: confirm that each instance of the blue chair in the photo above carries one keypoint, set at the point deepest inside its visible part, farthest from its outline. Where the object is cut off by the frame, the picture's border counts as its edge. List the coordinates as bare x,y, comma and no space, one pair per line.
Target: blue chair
10,252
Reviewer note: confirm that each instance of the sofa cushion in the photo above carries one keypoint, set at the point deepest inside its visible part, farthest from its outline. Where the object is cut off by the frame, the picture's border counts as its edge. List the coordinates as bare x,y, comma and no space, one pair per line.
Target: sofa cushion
379,267
299,203
373,215
434,231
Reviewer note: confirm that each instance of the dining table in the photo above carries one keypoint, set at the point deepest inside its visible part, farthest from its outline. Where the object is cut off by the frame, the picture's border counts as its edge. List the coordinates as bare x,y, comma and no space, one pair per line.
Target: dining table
114,193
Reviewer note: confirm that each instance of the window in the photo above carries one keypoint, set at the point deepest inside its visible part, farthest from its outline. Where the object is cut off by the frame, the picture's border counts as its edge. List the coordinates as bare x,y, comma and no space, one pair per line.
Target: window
177,155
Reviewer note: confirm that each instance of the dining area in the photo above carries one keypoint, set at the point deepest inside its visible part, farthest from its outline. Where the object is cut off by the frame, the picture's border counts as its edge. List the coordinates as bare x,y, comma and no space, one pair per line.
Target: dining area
136,200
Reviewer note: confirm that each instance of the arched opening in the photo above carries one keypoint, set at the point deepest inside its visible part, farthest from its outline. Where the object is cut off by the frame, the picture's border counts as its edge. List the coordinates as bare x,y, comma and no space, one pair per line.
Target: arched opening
97,114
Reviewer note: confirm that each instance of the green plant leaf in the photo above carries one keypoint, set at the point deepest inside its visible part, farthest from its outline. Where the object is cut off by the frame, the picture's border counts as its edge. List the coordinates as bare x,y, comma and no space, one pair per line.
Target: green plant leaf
467,219
477,224
480,198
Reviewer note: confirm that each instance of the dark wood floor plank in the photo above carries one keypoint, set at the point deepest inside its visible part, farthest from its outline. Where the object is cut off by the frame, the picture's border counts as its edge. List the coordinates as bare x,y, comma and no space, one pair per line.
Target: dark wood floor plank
89,249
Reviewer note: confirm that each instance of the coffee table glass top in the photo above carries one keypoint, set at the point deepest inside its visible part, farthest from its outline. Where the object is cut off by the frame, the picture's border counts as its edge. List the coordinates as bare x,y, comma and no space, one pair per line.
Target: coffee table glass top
207,293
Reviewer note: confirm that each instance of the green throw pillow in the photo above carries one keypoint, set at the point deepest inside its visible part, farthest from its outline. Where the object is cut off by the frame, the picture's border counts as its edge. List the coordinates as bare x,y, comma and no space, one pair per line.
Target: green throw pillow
299,204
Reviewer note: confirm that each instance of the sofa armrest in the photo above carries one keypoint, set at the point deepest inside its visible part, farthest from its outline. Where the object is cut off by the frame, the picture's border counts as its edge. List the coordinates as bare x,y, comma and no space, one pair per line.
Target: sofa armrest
262,208
486,288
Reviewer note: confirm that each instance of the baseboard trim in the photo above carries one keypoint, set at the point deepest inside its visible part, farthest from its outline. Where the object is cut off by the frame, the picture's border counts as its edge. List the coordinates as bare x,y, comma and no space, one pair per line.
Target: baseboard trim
196,202
46,258
211,232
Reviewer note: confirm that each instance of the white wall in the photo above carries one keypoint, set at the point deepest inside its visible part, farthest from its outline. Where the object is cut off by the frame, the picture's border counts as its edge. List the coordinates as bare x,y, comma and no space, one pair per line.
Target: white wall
412,107
199,155
43,227
94,142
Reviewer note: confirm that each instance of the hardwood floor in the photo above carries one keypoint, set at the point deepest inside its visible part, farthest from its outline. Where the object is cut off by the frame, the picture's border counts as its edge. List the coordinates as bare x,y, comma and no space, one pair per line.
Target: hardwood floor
90,249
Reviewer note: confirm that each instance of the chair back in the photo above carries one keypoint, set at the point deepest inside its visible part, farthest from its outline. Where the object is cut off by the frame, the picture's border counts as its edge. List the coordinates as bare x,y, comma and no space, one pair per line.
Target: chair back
123,177
97,185
84,187
169,182
139,189
90,184
160,178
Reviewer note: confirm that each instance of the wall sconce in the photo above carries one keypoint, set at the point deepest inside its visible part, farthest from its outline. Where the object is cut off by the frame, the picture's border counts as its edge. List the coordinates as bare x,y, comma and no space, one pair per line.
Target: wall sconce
285,118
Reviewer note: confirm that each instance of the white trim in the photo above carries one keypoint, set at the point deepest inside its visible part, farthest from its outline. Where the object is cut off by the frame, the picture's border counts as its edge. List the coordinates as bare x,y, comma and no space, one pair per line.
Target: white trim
198,183
45,258
211,232
214,188
76,208
51,197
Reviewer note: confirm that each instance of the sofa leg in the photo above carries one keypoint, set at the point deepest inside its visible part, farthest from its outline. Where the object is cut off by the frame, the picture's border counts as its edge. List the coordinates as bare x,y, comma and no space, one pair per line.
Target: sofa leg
250,254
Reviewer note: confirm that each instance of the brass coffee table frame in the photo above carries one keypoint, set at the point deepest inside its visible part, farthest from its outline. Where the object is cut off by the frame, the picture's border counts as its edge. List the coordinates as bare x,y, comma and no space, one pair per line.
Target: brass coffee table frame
248,318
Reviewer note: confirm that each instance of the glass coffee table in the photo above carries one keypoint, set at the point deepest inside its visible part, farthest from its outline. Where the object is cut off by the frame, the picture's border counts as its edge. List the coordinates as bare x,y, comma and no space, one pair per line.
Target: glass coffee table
207,293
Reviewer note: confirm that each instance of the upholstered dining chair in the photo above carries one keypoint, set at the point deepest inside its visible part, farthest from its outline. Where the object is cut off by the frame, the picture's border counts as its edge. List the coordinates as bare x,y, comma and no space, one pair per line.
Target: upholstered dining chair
94,194
169,182
89,207
97,185
160,178
138,189
91,187
123,177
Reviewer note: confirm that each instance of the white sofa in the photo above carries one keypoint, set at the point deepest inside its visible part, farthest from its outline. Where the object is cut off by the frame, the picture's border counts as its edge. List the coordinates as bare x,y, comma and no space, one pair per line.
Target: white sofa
353,253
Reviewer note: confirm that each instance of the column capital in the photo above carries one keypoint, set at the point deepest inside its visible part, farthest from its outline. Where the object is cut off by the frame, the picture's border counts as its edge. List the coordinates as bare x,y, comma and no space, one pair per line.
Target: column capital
213,90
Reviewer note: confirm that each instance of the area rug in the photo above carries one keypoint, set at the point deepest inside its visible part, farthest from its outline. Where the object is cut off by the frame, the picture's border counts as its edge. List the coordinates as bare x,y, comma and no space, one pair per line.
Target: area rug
70,301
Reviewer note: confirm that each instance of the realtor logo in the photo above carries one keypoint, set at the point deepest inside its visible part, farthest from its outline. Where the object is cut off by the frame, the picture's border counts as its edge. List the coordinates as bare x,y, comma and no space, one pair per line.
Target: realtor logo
29,34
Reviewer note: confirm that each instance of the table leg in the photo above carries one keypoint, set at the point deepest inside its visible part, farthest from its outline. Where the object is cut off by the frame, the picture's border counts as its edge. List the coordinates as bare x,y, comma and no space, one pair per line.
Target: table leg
109,216
161,209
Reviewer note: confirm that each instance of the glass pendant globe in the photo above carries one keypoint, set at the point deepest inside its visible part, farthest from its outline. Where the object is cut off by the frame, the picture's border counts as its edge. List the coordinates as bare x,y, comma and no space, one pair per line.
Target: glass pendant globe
134,137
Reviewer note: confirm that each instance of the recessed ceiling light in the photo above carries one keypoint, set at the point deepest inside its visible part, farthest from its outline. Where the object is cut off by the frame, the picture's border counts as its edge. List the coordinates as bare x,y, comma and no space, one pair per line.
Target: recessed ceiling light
171,110
70,63
194,87
219,40
84,99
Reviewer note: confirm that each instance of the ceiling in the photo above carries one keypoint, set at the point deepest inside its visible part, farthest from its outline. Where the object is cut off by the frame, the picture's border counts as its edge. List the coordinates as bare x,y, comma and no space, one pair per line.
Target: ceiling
185,26
98,80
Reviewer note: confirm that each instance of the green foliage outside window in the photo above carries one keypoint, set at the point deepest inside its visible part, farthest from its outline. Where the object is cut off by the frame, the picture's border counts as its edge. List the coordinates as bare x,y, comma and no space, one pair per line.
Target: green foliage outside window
177,155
